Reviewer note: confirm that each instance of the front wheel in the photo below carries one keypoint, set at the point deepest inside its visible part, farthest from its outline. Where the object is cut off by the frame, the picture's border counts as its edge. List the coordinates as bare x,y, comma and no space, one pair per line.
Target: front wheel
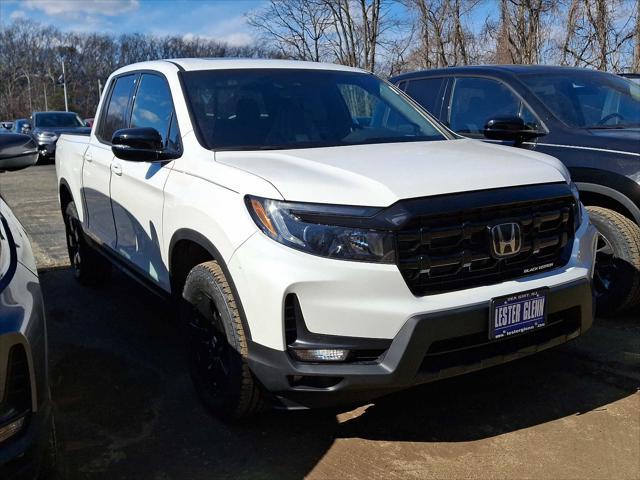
217,345
617,273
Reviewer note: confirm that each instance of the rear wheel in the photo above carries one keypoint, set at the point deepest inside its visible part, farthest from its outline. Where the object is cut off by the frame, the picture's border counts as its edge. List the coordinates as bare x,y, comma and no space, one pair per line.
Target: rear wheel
217,345
617,273
89,267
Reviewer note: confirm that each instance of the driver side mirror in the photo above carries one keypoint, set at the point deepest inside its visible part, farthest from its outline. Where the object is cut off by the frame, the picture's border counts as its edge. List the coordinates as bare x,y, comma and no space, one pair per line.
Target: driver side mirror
140,145
510,129
17,151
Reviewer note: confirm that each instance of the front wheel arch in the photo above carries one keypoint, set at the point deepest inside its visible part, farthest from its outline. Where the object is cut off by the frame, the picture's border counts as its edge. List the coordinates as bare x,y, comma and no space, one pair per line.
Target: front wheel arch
202,250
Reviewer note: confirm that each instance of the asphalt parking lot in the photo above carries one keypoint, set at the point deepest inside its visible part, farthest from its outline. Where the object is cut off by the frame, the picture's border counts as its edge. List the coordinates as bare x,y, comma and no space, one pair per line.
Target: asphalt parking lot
125,408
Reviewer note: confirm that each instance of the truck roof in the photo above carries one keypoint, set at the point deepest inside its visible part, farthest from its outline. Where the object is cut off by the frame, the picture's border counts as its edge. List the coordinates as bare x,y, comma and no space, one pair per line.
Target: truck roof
227,63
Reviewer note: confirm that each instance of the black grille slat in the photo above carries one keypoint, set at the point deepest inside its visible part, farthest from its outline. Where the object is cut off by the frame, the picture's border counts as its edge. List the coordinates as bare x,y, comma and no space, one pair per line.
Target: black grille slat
439,253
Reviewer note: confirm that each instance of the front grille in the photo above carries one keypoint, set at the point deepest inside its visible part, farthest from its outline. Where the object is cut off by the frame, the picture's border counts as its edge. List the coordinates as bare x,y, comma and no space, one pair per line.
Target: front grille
451,249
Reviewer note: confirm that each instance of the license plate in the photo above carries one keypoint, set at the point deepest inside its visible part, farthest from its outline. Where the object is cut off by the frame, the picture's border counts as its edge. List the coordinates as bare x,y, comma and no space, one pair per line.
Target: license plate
517,313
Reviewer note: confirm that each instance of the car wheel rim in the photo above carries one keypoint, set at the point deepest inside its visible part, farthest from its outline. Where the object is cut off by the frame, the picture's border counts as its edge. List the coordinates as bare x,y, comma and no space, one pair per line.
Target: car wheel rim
606,270
208,348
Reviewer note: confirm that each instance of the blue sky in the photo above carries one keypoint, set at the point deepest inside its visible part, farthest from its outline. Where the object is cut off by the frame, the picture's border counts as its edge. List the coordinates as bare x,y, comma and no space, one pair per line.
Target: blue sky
219,19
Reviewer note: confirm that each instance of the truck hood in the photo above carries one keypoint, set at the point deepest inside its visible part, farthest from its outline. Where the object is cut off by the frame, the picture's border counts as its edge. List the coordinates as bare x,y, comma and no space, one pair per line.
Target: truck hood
381,174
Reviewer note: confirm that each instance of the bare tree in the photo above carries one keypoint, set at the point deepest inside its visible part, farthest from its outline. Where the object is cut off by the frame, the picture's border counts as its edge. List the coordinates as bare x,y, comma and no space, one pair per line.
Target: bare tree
296,28
31,63
445,38
522,33
636,51
600,34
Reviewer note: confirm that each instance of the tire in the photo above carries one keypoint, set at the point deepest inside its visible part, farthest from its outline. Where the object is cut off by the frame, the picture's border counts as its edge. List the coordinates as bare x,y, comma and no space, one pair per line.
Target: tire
617,274
217,345
89,267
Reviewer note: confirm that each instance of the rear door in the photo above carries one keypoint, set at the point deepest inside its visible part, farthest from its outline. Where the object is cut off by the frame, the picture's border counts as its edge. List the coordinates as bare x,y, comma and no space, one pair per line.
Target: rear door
137,188
96,170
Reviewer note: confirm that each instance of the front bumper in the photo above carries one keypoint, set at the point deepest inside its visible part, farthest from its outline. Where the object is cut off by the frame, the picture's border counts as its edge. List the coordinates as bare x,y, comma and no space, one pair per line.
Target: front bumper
428,347
427,338
47,147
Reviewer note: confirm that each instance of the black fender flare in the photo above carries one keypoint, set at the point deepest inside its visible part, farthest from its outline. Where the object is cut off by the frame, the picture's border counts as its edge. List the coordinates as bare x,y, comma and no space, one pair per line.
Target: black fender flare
199,239
617,187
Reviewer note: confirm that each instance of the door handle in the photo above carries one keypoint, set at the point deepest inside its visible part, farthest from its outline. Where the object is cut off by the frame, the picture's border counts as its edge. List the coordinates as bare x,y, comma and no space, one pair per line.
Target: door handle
88,157
116,168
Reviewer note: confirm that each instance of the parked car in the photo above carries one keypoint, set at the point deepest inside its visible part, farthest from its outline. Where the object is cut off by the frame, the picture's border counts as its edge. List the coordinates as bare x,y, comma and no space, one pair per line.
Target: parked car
589,120
634,77
47,126
27,435
21,126
6,125
88,122
327,240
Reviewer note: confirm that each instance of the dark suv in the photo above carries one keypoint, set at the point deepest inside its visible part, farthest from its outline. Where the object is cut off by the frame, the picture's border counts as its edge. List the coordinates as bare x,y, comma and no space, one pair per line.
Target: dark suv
48,126
589,120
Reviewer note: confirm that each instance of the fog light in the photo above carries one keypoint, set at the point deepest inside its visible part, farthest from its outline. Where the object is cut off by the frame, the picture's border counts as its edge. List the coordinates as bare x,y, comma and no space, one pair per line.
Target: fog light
11,429
321,355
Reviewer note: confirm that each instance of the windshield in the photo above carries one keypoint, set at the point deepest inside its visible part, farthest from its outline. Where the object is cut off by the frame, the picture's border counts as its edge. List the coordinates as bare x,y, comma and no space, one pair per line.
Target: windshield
588,99
57,120
256,109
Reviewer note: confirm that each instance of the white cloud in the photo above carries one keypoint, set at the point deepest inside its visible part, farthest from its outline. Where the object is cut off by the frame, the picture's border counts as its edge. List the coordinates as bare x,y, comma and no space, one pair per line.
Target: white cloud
18,15
232,30
109,8
238,39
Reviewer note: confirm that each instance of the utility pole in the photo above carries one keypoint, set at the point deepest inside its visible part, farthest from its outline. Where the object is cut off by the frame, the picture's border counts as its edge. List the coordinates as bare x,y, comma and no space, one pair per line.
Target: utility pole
64,84
46,105
26,75
99,90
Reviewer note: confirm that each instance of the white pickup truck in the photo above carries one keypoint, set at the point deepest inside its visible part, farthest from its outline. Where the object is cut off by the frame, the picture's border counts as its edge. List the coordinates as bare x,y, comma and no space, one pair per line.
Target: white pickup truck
327,239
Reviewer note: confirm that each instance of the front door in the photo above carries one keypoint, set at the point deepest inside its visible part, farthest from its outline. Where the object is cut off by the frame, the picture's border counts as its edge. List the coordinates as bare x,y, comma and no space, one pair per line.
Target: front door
137,188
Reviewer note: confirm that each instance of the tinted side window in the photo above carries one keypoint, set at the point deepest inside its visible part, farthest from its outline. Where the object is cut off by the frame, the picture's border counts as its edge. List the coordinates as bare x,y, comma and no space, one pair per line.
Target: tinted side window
474,101
152,105
116,116
425,91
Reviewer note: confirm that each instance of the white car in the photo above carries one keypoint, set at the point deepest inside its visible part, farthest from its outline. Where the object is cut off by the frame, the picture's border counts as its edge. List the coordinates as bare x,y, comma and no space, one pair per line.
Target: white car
329,241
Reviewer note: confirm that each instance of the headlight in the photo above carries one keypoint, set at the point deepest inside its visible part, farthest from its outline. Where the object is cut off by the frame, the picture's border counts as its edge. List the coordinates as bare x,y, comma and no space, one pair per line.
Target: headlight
307,227
578,210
